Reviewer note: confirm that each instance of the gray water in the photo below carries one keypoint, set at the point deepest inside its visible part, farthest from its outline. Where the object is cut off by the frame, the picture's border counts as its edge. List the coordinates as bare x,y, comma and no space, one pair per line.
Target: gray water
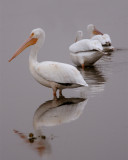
92,123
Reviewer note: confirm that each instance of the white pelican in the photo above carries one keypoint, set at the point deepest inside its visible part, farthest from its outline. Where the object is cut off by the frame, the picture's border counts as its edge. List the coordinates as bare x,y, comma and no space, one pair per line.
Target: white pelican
54,75
85,52
103,38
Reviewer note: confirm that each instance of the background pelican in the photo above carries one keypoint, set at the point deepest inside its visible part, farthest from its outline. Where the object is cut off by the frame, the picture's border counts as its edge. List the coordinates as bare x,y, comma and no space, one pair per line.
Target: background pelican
54,75
103,38
85,52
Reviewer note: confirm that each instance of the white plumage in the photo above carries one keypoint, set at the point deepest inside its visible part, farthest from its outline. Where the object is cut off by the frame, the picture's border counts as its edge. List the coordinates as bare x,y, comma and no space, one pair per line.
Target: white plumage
85,52
60,73
54,75
79,36
86,45
104,39
86,58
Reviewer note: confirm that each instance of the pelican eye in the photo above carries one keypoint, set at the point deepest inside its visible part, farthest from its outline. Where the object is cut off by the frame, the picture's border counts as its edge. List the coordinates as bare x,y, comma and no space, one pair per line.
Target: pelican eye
32,34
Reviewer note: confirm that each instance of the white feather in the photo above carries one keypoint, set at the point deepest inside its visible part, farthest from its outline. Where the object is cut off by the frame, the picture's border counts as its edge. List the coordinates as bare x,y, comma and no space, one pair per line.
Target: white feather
60,73
105,38
86,58
86,45
79,36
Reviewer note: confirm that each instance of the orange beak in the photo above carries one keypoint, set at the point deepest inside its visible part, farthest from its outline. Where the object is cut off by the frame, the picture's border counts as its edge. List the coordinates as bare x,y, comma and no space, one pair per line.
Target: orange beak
30,41
97,32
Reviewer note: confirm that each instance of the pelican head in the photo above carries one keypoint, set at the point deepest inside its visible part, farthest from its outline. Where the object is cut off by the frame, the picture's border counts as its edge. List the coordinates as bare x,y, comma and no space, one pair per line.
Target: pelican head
90,29
36,38
79,36
38,33
93,31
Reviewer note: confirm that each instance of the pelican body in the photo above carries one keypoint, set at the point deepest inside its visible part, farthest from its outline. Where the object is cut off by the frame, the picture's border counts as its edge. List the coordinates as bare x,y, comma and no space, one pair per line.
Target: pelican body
54,75
104,39
86,58
85,52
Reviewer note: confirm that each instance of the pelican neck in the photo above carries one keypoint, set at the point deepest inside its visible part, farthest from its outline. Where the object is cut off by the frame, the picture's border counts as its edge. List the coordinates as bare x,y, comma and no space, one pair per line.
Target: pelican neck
33,54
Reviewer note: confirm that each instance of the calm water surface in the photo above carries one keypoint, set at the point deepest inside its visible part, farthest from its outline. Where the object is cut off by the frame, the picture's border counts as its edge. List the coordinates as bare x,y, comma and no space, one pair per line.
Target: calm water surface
89,123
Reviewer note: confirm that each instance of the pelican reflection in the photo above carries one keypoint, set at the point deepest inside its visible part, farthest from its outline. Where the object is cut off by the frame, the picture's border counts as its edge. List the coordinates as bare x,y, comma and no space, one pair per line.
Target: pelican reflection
51,113
56,112
95,78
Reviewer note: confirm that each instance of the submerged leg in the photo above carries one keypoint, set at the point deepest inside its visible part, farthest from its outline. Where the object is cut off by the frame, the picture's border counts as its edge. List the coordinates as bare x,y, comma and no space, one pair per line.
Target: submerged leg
54,93
60,94
83,66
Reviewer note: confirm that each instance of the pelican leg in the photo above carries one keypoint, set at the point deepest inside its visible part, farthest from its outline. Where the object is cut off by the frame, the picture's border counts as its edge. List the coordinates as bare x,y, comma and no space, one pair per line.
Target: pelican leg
54,94
60,94
83,66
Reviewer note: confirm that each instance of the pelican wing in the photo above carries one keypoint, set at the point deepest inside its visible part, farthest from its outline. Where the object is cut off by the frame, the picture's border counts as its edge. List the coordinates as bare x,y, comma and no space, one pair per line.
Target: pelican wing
60,73
105,38
86,45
